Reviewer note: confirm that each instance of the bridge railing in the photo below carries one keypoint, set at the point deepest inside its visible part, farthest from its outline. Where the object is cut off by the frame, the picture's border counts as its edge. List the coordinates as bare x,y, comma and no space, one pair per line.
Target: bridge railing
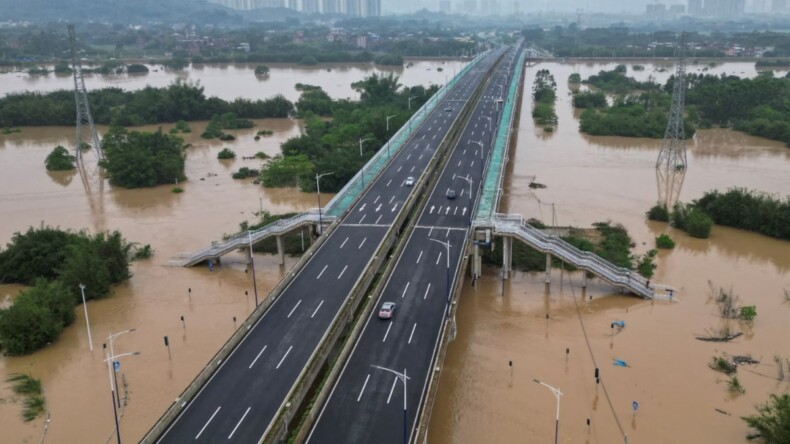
515,225
280,226
346,196
489,198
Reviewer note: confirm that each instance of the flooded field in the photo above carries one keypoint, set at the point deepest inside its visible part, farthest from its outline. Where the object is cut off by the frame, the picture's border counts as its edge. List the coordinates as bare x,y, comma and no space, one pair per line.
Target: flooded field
593,179
230,81
588,178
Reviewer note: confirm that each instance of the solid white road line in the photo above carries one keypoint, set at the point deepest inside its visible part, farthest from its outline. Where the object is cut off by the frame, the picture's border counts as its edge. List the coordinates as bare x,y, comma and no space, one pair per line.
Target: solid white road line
362,243
294,309
387,333
404,290
316,309
344,243
363,388
239,423
427,290
344,270
324,269
284,356
412,332
259,355
206,424
395,381
419,257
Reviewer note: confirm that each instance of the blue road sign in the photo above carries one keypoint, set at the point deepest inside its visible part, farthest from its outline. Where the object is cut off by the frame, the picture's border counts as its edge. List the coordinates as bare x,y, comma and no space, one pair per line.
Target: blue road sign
116,365
635,405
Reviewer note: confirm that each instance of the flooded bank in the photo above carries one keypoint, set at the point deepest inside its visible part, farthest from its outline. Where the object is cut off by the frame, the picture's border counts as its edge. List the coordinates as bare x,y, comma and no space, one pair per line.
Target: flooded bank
229,81
588,179
592,179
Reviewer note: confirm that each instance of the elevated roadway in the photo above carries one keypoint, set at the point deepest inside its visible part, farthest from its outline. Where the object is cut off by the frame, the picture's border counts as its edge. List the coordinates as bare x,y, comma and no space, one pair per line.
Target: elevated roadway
366,405
244,391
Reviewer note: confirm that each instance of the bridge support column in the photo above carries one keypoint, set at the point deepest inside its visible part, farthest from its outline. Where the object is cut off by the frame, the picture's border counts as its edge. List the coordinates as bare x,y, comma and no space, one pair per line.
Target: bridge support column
476,268
584,279
280,249
507,256
548,268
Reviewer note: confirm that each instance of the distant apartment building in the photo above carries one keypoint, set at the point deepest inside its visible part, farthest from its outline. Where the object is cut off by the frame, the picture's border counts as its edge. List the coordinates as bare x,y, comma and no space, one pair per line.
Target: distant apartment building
357,8
723,8
695,7
469,7
656,11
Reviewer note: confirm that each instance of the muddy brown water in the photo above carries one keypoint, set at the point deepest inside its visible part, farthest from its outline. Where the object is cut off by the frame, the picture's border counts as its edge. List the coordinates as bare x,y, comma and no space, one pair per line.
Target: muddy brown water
591,179
230,81
588,178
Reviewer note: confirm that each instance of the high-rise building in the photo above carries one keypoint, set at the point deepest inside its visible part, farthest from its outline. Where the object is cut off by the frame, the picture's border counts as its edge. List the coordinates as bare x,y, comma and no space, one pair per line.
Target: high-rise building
656,10
293,4
695,7
470,7
310,6
353,7
372,8
330,6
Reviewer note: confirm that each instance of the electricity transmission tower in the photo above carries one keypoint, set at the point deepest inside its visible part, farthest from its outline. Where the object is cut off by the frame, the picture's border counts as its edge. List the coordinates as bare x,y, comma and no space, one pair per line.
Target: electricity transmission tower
673,149
671,164
84,116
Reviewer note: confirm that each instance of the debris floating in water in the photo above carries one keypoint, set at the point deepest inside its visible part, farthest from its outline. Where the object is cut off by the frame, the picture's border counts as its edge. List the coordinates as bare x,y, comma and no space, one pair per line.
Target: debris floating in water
620,363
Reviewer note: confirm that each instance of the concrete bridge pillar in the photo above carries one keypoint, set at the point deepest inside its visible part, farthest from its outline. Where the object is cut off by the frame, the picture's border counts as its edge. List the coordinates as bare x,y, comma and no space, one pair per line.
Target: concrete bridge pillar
584,279
507,256
476,262
280,249
548,268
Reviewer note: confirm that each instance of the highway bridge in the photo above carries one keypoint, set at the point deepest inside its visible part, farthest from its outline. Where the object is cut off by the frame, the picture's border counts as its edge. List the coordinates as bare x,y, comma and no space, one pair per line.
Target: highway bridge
316,337
241,394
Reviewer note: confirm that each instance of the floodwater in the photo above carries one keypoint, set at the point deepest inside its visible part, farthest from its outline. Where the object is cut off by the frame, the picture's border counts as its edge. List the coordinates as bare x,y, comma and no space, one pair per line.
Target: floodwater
230,81
592,179
588,179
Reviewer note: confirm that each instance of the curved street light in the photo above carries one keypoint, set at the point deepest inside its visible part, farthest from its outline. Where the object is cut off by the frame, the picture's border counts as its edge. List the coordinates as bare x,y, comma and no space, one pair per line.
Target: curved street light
557,394
402,378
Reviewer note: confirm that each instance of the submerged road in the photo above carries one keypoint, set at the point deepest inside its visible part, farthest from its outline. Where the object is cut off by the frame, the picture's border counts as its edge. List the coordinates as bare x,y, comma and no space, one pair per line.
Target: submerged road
366,404
239,401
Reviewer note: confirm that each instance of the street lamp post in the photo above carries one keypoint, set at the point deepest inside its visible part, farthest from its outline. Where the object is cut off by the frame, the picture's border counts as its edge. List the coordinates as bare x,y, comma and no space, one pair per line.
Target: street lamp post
388,133
468,205
446,245
87,322
403,378
360,145
113,358
252,264
318,191
362,170
557,394
111,338
410,98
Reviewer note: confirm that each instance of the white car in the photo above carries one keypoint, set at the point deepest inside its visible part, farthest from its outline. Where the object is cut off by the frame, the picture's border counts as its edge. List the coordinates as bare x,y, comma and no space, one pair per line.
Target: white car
409,181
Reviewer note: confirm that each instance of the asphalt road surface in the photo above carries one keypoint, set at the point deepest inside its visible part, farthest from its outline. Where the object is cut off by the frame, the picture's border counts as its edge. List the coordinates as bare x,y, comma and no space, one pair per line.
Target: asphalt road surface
239,401
367,403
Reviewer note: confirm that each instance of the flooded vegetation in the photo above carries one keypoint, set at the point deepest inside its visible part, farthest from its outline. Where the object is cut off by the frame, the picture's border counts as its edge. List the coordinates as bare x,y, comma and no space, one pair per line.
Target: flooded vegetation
481,398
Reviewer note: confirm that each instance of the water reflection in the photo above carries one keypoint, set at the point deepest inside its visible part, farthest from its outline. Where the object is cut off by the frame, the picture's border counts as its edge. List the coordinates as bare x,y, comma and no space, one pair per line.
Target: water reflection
62,178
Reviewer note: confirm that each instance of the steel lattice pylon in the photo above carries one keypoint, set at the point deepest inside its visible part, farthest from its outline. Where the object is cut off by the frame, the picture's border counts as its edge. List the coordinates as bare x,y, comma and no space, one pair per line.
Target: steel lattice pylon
673,149
84,116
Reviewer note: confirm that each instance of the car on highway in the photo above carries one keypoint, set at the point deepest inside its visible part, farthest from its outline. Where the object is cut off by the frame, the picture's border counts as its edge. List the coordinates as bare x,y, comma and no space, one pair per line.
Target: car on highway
409,181
451,194
449,109
387,310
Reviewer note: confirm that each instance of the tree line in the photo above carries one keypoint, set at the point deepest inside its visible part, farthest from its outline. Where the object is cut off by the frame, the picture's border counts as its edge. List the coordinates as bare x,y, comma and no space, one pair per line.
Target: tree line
737,207
333,145
55,263
114,106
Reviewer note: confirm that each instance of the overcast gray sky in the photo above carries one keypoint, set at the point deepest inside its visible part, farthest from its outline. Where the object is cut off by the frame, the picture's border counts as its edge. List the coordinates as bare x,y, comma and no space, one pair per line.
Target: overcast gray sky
609,6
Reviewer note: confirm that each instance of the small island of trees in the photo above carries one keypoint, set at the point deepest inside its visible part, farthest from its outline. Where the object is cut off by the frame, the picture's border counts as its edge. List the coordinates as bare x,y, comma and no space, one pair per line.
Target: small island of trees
136,159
